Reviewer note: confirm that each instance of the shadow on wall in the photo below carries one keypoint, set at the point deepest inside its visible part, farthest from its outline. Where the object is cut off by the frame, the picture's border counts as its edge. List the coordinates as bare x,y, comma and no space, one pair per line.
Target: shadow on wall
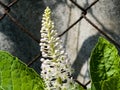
84,54
87,46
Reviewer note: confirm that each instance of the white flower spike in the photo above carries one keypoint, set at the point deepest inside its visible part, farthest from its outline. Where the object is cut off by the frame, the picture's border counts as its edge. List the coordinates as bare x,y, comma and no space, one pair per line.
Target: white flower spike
56,68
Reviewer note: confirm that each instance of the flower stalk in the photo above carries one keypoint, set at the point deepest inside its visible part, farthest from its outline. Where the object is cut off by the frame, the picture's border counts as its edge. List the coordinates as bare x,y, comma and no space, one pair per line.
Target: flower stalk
56,67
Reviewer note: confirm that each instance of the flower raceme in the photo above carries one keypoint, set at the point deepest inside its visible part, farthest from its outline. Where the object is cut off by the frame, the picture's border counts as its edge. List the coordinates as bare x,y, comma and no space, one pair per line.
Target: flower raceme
56,68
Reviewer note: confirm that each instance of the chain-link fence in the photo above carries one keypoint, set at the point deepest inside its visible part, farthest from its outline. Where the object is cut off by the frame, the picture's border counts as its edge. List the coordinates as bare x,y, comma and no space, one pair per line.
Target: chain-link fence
6,9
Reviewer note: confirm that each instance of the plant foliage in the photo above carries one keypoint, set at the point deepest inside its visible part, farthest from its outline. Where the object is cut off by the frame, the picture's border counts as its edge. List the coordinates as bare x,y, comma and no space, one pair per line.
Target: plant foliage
105,66
15,75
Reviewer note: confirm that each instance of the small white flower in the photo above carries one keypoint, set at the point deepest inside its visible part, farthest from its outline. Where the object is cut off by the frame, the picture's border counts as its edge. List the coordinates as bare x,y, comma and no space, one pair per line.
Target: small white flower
42,59
44,55
62,52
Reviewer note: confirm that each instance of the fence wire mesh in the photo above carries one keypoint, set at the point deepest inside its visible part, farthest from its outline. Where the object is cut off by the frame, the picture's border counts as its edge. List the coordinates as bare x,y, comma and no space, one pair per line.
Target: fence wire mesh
6,12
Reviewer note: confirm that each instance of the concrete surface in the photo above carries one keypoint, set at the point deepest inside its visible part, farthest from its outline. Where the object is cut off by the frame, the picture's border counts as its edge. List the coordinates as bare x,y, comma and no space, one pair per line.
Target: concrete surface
78,42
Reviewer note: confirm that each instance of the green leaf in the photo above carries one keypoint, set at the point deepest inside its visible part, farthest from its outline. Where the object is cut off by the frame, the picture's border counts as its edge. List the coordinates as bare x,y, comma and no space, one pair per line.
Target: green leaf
104,66
15,75
112,83
92,87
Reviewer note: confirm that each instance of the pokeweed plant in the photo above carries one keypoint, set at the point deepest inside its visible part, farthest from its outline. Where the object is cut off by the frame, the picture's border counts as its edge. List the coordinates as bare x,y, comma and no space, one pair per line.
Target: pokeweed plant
56,71
56,67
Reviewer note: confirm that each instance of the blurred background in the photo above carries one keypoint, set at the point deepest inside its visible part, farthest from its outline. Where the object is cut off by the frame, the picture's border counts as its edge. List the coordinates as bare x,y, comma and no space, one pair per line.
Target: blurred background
79,24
